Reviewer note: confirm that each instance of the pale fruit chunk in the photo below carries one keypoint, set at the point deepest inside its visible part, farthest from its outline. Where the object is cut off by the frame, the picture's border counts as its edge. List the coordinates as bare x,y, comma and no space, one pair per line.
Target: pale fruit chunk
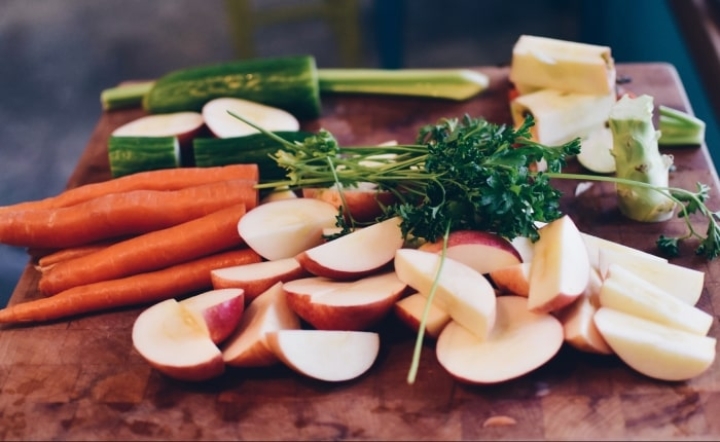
653,349
623,291
183,125
282,229
332,356
596,151
560,270
278,195
684,283
520,342
356,305
365,203
595,244
410,311
219,311
172,340
248,346
257,277
514,279
356,254
577,319
462,292
223,125
524,246
483,251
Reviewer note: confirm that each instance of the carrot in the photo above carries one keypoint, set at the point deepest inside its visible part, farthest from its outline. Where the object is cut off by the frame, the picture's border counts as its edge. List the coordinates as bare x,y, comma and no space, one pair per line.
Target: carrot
145,288
121,214
162,179
151,251
45,262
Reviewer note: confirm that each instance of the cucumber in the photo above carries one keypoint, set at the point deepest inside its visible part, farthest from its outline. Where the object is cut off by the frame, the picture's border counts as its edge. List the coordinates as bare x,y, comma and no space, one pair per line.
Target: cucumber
289,83
128,155
255,148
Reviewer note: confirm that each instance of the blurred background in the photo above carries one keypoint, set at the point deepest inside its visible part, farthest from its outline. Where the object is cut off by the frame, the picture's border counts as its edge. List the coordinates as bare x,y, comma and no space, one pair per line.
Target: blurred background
56,56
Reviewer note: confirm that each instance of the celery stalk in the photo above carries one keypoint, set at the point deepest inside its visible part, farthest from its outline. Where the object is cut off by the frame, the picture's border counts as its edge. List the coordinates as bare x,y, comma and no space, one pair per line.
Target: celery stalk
679,128
637,158
453,84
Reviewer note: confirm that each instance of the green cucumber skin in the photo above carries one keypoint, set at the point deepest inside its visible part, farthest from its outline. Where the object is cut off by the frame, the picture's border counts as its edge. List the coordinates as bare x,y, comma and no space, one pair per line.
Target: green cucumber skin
128,155
255,148
289,83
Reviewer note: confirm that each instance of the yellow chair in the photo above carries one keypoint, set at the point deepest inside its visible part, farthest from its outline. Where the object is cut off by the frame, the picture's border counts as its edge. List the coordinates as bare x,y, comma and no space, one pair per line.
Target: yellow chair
342,16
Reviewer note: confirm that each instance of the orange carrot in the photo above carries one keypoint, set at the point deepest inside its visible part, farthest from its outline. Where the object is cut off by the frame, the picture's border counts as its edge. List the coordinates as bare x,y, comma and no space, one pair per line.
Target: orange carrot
154,250
142,289
121,214
46,261
163,179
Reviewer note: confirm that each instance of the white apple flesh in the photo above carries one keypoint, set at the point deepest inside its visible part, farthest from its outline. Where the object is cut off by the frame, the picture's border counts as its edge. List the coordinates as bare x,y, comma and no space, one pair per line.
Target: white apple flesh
560,269
465,294
219,311
255,278
172,340
483,251
282,229
224,125
332,356
624,291
520,342
356,254
183,125
410,311
595,244
248,346
339,305
653,349
513,279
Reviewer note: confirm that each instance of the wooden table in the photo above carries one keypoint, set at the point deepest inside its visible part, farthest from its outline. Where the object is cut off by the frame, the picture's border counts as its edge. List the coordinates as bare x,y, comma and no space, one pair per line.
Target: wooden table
81,379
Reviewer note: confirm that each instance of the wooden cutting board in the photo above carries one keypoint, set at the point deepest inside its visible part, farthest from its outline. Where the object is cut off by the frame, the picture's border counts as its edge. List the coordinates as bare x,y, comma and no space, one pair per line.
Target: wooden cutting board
81,379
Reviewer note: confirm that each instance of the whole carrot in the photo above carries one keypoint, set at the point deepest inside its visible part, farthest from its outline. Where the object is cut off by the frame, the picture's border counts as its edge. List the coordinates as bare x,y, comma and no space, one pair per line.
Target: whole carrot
163,179
45,262
145,288
121,214
151,251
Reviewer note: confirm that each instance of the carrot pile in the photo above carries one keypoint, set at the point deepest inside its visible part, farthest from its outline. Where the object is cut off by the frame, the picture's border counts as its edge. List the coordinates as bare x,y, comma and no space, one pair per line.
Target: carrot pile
131,241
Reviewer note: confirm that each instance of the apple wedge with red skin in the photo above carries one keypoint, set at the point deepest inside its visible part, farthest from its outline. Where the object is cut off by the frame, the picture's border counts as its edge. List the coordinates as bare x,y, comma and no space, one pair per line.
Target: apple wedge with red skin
257,277
248,345
365,204
410,311
519,342
173,337
327,355
342,305
464,293
357,254
284,228
560,269
483,251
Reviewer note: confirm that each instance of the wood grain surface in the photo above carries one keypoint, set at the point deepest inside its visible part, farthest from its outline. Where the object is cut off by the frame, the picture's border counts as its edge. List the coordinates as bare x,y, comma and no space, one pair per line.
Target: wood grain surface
80,379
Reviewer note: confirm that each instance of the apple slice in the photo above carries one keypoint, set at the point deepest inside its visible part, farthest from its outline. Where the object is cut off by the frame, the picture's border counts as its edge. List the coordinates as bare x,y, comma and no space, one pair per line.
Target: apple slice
339,305
223,125
332,356
410,311
219,311
257,277
356,254
514,279
278,195
684,283
577,319
282,229
173,341
465,294
365,203
653,349
248,346
624,291
525,247
520,342
183,125
560,270
483,251
594,244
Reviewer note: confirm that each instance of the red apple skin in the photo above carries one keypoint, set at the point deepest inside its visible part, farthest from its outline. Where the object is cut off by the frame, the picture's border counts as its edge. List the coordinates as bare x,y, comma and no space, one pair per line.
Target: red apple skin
471,237
253,288
363,205
223,319
414,323
317,269
513,279
202,372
